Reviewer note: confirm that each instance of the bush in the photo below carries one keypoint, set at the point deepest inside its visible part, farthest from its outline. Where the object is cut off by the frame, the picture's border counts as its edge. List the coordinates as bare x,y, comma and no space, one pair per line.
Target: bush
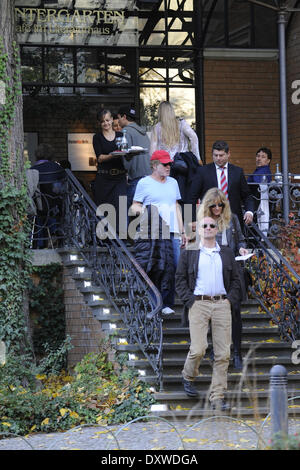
99,391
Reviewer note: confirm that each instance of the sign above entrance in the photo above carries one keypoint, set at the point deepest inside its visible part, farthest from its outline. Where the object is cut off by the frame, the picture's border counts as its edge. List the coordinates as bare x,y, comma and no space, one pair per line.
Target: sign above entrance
76,26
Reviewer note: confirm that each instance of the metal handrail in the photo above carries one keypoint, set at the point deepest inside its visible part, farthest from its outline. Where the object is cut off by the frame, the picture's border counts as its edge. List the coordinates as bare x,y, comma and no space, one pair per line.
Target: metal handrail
276,285
115,270
269,196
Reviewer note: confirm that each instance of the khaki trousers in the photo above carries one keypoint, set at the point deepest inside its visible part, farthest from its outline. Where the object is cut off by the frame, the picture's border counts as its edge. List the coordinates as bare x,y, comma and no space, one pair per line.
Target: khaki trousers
219,314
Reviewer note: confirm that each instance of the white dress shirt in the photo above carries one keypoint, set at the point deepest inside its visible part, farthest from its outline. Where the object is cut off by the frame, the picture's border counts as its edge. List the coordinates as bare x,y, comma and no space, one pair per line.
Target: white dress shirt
219,171
210,272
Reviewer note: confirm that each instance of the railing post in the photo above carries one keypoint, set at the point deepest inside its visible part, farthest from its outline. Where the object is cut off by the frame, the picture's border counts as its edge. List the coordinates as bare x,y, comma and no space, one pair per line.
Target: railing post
278,400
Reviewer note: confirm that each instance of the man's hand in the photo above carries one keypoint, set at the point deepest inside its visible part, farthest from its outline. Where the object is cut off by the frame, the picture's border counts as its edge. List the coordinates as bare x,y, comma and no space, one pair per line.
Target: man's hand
184,240
136,208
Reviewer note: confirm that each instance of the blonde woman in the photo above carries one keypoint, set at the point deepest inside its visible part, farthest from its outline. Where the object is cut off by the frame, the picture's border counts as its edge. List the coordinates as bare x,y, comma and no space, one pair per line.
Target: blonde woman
216,205
172,134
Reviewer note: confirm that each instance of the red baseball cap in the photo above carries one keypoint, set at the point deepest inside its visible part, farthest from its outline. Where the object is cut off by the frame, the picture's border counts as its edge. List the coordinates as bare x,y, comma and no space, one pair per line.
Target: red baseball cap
162,156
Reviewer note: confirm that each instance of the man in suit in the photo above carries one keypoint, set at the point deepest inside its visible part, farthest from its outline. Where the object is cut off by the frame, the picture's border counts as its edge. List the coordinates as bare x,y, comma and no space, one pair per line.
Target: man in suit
230,178
207,281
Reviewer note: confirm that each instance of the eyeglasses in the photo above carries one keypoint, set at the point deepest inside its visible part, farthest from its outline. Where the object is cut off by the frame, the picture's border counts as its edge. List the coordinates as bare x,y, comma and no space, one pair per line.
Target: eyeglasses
208,225
221,204
166,164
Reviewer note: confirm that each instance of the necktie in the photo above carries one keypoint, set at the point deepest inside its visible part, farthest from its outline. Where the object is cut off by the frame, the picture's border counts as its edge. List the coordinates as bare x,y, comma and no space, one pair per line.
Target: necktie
224,186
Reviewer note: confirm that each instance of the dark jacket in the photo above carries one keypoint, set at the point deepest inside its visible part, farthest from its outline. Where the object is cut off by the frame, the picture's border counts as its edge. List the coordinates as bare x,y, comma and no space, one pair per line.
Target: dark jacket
239,194
236,240
185,180
153,251
187,270
234,235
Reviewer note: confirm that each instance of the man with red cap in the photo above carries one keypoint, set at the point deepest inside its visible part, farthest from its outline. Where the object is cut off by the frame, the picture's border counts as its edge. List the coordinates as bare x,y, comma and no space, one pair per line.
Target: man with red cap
162,191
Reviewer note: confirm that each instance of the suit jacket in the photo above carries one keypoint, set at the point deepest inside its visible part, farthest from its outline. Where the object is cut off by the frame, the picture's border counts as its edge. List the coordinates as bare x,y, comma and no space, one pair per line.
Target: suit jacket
239,194
187,270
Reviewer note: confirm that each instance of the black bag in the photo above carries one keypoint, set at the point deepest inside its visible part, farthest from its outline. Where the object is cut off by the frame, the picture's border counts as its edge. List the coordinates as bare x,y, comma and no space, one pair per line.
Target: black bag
179,165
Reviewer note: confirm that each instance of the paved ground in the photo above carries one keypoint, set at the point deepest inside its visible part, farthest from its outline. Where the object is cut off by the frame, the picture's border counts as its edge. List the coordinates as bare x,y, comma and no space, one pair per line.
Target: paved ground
218,433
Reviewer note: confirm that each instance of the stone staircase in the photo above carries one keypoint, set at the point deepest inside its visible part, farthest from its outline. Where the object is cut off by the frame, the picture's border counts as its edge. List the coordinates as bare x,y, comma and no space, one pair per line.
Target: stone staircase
248,390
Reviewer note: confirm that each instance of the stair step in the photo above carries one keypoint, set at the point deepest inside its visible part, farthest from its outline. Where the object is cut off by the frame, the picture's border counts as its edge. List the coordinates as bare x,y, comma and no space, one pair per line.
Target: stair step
247,330
99,303
261,380
206,362
197,414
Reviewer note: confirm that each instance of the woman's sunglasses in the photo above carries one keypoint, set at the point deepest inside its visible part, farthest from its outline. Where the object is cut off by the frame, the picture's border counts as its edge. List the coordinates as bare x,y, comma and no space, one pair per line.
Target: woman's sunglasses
221,204
208,225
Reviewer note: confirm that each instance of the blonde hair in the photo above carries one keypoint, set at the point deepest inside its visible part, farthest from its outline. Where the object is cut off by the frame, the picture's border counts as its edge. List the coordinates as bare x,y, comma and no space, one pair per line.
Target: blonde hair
170,133
215,196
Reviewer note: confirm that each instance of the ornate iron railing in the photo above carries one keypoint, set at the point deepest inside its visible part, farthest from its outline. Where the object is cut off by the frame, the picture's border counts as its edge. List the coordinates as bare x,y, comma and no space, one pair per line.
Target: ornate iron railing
275,284
113,268
268,199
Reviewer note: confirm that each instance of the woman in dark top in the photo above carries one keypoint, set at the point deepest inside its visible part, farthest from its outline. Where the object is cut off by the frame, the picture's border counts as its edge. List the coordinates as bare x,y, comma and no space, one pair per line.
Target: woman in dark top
111,181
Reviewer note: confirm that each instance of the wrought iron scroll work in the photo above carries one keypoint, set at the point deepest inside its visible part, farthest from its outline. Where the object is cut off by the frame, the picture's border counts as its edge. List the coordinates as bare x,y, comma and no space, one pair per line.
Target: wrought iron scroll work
127,287
276,285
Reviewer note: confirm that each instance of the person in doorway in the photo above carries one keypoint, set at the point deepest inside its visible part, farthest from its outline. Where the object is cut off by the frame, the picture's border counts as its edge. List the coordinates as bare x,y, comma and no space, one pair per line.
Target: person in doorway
137,165
207,281
162,191
111,180
216,205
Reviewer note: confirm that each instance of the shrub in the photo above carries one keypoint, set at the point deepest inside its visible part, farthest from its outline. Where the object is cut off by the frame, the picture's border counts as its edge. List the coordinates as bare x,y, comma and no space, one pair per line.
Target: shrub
98,391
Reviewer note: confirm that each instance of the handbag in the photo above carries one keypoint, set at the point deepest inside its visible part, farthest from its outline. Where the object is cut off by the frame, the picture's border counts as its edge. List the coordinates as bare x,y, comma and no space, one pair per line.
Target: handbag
179,165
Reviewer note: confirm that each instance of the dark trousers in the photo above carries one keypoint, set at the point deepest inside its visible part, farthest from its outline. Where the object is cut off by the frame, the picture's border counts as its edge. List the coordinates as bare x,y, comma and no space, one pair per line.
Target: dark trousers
237,329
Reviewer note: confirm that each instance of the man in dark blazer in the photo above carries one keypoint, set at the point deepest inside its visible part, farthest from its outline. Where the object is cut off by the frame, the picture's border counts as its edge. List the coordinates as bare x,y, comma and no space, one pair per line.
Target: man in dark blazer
209,176
207,281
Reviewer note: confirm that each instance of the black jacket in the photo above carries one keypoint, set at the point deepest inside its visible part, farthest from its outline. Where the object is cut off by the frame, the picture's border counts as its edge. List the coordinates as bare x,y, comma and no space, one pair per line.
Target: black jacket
239,194
187,270
185,180
153,251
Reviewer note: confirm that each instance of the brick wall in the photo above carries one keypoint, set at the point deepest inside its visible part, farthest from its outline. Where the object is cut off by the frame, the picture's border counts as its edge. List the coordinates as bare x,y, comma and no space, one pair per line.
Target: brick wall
293,73
242,107
82,327
85,331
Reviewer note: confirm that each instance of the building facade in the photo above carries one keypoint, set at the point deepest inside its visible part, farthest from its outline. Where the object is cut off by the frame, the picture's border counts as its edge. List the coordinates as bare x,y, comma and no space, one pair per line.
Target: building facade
215,60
